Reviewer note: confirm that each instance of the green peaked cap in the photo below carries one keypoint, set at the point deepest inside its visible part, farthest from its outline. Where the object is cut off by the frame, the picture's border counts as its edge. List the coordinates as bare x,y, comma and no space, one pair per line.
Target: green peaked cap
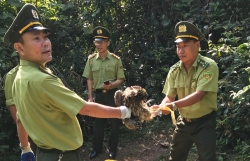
185,30
28,19
101,33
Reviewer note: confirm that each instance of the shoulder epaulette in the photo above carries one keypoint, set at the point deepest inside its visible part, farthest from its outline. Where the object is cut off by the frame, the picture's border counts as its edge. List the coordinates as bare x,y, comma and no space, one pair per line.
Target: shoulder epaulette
43,70
175,66
203,63
92,55
117,57
13,70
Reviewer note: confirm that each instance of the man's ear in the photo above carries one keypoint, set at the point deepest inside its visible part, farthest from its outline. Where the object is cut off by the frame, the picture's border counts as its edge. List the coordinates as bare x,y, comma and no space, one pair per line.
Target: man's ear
198,44
108,42
19,48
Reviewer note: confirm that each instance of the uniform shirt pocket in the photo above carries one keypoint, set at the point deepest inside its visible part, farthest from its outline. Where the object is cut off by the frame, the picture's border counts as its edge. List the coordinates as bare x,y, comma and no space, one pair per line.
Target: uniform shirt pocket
193,84
96,72
180,88
110,72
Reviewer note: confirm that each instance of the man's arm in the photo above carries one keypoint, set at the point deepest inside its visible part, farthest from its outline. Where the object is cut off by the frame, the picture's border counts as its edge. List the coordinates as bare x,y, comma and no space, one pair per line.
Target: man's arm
188,100
22,134
89,85
12,109
114,84
167,99
102,111
27,153
117,83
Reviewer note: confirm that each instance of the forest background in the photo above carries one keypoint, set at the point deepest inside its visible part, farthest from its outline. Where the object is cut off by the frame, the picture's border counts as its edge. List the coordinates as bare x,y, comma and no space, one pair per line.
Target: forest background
143,36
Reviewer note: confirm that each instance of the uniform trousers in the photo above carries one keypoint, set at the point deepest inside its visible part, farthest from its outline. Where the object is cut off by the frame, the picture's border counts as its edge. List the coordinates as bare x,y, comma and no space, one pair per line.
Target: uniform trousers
99,124
200,132
53,155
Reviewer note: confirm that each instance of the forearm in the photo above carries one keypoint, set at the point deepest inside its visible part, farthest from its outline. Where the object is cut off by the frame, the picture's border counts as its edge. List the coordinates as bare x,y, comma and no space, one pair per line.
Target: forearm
100,111
116,83
89,86
12,109
190,99
167,99
22,134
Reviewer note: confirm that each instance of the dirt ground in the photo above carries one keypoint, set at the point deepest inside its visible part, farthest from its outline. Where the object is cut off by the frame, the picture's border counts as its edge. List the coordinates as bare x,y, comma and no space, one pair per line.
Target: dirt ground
139,145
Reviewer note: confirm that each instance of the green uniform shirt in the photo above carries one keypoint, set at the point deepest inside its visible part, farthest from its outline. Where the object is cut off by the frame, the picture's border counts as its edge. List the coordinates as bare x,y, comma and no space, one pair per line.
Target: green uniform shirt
101,70
8,82
202,76
46,108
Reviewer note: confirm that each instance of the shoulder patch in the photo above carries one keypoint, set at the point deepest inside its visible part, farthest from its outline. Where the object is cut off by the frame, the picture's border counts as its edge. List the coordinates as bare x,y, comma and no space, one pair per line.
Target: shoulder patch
45,71
92,55
175,66
117,57
207,76
203,63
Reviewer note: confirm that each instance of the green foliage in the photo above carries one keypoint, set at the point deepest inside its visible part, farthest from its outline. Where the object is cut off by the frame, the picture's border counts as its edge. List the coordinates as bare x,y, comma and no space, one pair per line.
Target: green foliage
233,96
143,35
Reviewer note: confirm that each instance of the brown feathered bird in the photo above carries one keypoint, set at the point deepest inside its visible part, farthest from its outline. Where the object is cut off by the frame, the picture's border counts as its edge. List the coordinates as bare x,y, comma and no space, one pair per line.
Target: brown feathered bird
134,97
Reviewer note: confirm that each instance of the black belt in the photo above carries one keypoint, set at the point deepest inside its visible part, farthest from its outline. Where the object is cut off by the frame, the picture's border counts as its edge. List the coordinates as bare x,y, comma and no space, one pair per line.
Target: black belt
54,151
198,119
105,90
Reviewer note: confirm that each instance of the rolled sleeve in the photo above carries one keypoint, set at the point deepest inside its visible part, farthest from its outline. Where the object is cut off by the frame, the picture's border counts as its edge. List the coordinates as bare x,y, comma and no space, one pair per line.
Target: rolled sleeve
120,70
168,88
8,82
87,73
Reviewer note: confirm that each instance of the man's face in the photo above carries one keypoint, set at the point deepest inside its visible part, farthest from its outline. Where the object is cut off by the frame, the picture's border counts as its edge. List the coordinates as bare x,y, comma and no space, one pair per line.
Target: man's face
187,51
102,46
36,47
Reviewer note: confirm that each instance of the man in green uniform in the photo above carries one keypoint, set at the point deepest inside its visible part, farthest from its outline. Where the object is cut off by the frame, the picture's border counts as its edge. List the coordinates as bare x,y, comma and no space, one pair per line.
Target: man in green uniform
46,109
104,73
8,82
194,79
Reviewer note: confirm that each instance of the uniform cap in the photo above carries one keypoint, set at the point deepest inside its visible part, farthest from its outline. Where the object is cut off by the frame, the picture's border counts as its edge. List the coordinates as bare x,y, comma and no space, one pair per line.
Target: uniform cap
28,19
185,30
101,33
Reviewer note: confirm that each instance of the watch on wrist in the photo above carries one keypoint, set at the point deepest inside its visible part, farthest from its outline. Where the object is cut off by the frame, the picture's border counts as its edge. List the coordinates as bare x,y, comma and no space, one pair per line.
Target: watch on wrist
174,106
24,147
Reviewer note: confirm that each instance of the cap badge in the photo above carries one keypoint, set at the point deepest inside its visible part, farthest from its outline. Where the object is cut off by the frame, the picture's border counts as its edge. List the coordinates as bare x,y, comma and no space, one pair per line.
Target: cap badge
182,28
35,14
99,31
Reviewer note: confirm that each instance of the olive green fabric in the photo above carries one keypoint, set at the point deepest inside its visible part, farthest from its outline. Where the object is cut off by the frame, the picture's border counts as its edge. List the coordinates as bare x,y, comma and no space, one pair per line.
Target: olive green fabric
101,70
185,30
46,108
202,76
8,82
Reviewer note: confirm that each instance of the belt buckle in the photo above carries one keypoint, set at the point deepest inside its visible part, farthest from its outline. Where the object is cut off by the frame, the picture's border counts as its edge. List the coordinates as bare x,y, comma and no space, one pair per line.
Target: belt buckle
188,120
104,91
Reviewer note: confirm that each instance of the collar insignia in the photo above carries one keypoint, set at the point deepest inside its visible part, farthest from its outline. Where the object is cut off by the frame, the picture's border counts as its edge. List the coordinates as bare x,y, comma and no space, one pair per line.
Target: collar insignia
203,63
175,66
